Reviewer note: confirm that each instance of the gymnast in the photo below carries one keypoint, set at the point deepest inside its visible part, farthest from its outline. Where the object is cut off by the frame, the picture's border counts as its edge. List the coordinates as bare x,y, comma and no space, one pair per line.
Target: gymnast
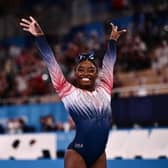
88,103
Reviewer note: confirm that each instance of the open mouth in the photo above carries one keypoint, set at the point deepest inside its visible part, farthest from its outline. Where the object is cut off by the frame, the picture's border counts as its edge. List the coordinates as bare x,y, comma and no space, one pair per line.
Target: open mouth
85,79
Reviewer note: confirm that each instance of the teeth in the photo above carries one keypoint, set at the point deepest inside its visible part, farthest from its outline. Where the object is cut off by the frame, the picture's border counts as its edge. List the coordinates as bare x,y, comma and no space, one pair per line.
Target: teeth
85,79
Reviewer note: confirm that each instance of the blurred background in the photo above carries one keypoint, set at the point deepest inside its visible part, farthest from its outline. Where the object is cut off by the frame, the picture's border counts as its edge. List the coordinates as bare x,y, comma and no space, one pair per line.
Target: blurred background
33,121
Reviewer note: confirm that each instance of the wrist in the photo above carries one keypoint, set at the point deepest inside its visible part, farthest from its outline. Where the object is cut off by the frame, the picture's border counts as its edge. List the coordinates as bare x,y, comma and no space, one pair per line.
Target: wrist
39,34
113,38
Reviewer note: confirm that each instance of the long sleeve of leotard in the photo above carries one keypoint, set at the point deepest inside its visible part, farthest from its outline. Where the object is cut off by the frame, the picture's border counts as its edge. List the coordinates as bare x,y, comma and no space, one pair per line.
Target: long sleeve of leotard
61,85
106,73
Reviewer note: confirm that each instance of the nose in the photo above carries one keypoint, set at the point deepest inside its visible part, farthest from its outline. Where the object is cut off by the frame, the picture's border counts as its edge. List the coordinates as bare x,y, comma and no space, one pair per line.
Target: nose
85,73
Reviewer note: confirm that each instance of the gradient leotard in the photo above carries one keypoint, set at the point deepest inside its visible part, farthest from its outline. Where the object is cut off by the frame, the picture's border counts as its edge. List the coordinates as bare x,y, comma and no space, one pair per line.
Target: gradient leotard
91,111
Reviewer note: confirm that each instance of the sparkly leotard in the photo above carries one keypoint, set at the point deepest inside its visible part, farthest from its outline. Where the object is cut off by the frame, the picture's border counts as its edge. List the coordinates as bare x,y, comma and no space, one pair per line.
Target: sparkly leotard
91,111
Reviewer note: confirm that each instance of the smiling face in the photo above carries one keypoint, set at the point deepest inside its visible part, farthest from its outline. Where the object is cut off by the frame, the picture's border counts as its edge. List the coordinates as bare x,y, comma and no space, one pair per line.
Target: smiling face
86,74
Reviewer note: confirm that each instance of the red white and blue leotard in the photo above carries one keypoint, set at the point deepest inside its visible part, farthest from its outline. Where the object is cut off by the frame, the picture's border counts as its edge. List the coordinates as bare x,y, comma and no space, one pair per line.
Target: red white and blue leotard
91,111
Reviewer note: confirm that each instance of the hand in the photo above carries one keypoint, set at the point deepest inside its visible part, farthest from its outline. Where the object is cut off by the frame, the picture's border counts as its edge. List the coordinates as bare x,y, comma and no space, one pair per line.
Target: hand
115,34
32,26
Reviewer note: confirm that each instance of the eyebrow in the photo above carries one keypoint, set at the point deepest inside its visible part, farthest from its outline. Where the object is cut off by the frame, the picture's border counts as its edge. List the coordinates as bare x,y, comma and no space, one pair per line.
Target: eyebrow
81,66
91,67
87,67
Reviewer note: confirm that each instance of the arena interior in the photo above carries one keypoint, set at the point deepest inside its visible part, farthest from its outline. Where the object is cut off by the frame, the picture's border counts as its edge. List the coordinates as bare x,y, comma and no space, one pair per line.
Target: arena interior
35,129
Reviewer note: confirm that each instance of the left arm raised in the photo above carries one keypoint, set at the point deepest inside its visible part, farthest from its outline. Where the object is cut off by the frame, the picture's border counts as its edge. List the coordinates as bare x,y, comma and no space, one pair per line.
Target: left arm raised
106,78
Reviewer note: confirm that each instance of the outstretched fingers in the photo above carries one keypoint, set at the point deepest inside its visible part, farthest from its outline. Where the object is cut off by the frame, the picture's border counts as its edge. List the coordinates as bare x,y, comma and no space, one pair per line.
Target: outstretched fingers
122,31
26,29
114,27
32,19
115,33
31,25
25,21
24,24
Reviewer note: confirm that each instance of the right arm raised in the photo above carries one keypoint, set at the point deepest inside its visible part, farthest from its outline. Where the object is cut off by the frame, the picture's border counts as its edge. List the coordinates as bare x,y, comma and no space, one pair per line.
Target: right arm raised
60,84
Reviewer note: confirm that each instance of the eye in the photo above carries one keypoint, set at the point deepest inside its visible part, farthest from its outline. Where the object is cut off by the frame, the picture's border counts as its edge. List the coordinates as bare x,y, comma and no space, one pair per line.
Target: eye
91,70
80,70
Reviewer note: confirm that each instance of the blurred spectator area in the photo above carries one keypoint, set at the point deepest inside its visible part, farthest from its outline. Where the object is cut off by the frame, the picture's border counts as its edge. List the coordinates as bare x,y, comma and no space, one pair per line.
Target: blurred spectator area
74,13
46,117
142,55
